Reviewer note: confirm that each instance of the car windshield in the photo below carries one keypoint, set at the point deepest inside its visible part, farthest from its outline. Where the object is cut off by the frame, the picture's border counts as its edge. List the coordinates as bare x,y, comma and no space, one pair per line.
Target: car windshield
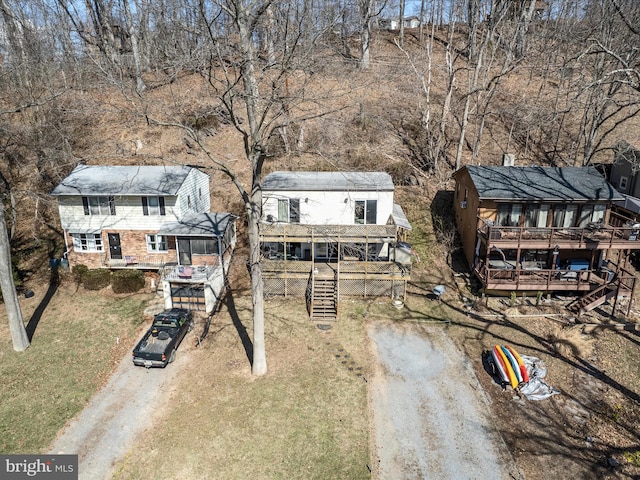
164,322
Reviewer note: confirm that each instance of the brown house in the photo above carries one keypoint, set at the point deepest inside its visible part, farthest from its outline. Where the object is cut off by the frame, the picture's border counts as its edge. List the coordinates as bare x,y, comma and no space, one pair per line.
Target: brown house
544,229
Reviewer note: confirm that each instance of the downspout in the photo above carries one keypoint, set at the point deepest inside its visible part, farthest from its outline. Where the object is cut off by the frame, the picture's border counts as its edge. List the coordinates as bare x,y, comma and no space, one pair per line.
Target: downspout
66,244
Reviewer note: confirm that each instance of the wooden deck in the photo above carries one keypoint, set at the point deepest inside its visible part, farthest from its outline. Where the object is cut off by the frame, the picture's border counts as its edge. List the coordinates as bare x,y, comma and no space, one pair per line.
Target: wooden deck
595,237
540,280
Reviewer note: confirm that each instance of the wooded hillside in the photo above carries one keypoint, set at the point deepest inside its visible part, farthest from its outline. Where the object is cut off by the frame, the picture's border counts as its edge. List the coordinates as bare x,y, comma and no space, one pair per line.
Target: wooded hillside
232,86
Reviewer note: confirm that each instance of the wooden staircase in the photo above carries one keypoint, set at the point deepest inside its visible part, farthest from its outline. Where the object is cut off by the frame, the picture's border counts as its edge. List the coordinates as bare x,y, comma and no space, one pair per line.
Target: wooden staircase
324,296
594,298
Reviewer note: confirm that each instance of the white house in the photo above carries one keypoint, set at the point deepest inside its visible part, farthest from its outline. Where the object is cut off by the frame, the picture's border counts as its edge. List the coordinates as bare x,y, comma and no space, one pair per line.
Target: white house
394,23
147,218
342,225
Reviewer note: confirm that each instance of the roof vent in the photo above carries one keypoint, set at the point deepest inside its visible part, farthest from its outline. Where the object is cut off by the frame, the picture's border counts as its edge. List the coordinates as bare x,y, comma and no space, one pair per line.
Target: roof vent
508,160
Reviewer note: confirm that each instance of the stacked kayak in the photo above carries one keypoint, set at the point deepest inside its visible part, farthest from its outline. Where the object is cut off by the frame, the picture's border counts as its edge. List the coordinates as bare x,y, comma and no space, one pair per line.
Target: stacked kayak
509,365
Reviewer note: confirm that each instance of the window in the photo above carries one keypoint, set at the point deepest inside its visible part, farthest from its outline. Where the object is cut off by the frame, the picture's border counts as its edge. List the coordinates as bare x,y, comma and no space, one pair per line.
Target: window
204,246
598,213
289,210
536,215
157,243
153,206
623,182
565,215
366,212
99,205
509,214
87,242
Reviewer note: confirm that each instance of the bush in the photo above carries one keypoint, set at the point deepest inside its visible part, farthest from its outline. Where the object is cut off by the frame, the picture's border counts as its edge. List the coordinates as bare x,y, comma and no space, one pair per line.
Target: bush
79,271
127,281
96,279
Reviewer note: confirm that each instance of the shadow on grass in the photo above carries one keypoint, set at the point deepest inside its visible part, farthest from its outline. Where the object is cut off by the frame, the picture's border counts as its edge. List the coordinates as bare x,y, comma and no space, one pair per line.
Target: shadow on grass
54,282
240,328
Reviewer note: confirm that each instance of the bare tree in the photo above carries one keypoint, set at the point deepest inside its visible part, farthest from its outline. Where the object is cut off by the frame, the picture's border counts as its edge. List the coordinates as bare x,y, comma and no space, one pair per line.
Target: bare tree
260,98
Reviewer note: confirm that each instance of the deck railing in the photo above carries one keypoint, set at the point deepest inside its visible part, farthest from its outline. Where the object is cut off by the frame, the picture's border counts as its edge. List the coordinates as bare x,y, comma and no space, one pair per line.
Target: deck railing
605,235
331,233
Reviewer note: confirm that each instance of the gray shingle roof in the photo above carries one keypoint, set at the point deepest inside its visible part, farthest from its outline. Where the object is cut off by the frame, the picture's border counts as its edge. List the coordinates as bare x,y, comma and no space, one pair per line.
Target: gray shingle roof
200,225
541,183
328,181
122,180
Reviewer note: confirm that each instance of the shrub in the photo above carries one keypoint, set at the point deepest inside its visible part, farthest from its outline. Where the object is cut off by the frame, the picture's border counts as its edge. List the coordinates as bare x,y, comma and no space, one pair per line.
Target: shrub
79,271
127,281
96,279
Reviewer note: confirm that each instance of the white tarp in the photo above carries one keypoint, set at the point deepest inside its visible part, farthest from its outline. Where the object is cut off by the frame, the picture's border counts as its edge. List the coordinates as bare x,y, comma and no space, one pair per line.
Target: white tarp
536,388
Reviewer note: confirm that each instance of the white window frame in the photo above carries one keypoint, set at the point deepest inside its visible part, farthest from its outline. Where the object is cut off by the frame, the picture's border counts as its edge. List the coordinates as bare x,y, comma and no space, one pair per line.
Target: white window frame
154,210
366,209
87,242
99,206
623,182
157,243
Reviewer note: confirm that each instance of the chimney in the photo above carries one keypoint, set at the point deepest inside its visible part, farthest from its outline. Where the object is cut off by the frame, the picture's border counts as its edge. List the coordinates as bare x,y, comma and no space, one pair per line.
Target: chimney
508,159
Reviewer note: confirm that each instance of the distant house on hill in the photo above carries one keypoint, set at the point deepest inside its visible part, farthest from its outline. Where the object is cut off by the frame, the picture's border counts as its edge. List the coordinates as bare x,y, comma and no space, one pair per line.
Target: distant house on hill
394,23
148,218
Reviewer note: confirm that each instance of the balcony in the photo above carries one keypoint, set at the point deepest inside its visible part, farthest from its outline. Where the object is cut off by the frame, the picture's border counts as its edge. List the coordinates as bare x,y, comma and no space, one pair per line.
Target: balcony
293,232
190,274
521,279
591,237
545,280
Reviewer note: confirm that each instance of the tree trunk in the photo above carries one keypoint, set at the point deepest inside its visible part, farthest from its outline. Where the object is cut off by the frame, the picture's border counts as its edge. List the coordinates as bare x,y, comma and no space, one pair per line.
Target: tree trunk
9,294
255,154
401,34
135,49
259,363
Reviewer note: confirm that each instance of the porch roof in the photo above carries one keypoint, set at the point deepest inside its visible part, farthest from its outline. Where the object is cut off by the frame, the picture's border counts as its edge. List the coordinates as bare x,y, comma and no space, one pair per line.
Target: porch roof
629,203
399,218
201,225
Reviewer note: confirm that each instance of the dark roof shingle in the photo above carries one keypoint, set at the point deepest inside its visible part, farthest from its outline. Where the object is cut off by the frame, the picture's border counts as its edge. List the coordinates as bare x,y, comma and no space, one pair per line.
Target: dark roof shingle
541,184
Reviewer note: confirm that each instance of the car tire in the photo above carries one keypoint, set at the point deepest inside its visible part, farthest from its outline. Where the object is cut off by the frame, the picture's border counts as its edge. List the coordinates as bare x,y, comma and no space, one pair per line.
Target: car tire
172,356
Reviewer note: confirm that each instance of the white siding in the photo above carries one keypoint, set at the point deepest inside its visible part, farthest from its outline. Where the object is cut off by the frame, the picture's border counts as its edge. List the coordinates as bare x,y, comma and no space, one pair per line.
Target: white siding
129,215
329,208
194,190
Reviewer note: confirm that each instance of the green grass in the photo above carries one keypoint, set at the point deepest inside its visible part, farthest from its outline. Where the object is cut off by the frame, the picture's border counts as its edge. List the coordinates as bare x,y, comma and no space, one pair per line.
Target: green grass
75,345
307,418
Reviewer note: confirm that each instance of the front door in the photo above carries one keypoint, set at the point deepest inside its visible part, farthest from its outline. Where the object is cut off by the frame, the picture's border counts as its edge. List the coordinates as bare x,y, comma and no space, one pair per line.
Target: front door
115,251
184,251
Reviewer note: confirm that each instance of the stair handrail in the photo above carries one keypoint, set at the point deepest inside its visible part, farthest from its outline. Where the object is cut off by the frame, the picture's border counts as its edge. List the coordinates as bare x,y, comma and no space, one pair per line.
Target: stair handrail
311,291
336,279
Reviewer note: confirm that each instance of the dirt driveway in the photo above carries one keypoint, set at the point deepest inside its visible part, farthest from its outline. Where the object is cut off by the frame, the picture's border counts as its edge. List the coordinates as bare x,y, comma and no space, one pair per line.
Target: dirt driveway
431,416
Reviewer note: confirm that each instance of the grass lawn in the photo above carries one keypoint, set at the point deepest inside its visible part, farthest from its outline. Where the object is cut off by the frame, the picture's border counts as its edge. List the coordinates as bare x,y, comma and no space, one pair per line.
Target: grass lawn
78,339
307,418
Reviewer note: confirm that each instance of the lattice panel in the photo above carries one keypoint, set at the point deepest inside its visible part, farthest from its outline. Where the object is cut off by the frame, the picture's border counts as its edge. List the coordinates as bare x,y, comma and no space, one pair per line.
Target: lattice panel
295,287
371,288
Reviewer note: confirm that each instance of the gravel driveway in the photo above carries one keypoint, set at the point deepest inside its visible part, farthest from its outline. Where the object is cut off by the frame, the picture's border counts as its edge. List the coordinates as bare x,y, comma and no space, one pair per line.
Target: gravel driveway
431,416
105,430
